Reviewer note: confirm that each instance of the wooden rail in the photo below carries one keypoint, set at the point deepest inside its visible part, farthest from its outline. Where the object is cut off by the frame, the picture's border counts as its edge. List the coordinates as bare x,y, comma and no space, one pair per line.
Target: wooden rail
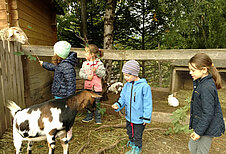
177,56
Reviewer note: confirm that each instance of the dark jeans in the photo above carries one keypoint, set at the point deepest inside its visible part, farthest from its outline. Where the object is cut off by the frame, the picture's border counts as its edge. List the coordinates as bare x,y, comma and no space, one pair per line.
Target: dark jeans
96,112
138,133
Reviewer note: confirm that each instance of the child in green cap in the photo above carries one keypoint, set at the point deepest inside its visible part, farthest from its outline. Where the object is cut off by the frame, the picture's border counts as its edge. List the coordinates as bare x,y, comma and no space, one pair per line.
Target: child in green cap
63,63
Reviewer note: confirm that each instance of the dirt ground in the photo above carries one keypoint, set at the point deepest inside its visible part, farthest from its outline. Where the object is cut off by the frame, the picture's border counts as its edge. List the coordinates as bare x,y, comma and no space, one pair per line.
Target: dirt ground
154,139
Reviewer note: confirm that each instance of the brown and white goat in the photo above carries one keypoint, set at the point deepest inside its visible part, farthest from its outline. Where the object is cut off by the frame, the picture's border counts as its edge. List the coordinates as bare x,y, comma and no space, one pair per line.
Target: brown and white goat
48,120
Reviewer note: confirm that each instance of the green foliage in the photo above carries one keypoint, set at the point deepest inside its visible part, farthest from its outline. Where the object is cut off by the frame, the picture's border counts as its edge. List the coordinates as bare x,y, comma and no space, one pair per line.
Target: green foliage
29,56
101,110
69,25
194,24
18,53
179,116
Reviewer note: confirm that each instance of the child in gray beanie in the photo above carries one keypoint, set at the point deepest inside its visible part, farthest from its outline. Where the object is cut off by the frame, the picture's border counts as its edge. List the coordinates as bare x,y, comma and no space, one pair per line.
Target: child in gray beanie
137,98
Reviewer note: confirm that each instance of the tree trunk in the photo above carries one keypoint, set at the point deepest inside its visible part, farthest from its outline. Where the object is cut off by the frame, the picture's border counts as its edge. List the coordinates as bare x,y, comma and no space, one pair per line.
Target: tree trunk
83,18
143,37
108,34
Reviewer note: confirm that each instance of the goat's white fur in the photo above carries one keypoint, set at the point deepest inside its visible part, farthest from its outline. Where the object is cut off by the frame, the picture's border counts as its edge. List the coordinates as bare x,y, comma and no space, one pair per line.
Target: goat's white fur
47,120
13,34
116,87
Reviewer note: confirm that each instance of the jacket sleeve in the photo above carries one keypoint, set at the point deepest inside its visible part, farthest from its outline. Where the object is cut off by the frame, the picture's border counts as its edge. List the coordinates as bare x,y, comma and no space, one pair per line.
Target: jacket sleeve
70,77
49,66
147,100
82,72
100,71
121,101
207,102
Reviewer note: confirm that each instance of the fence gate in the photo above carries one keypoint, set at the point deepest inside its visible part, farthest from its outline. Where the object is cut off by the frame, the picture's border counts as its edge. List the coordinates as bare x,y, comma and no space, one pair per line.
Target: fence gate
11,81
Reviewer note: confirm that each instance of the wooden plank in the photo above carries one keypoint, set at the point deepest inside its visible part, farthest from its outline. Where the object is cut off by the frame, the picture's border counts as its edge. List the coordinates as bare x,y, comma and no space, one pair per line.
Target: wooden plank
18,77
2,5
13,73
41,42
168,55
13,4
3,14
3,23
9,90
21,76
46,25
5,84
14,15
2,119
35,33
35,9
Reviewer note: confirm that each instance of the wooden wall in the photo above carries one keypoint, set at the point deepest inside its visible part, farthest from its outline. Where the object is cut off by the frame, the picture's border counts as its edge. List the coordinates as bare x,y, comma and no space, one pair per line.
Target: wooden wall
37,19
3,14
38,81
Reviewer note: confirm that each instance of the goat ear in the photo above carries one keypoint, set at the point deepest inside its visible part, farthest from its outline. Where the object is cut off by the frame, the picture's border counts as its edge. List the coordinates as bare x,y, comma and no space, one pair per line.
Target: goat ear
95,95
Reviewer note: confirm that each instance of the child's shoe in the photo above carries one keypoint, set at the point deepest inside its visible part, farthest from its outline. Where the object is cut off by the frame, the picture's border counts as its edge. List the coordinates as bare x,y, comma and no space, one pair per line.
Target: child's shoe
131,151
130,143
88,118
136,150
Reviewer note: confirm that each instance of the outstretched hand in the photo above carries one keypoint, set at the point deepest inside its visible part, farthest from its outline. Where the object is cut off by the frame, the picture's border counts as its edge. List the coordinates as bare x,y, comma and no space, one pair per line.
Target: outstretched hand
114,106
194,136
41,62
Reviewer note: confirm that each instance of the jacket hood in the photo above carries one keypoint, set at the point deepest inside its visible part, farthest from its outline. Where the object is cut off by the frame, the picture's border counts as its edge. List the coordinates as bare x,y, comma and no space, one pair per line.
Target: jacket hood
72,58
140,81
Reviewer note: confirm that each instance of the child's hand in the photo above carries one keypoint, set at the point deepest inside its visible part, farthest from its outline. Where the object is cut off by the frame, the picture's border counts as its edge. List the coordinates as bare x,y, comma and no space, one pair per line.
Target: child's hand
90,77
94,69
194,136
114,106
41,62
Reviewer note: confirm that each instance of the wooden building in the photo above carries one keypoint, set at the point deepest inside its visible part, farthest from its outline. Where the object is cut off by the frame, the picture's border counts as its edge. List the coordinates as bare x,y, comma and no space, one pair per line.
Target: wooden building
23,80
36,17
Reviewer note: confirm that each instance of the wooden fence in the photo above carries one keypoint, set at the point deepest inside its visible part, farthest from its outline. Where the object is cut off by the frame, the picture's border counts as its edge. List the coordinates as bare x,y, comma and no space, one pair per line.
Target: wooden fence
13,73
11,81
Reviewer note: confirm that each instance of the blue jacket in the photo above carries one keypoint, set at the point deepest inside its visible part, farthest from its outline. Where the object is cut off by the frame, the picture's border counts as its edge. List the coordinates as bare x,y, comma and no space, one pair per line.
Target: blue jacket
206,116
64,82
137,99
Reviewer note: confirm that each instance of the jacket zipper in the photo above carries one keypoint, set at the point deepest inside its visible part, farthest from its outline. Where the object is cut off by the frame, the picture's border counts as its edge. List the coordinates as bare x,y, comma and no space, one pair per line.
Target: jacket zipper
134,96
131,97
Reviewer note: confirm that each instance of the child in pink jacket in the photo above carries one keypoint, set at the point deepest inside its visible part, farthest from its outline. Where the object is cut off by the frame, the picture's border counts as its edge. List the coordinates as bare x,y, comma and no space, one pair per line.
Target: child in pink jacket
93,71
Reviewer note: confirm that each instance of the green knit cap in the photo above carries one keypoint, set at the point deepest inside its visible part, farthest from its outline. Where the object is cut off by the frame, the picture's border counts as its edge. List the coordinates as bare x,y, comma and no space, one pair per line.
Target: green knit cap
62,49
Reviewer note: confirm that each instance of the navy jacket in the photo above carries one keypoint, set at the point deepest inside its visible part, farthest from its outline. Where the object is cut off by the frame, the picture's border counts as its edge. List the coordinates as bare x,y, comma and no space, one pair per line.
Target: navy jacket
64,82
206,116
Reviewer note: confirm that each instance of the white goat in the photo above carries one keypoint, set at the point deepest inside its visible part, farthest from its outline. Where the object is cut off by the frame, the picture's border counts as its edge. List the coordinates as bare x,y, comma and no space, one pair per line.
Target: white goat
13,34
116,87
172,101
48,120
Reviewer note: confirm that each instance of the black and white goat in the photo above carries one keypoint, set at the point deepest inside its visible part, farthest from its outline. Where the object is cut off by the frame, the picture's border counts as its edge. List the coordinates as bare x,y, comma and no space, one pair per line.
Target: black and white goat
48,120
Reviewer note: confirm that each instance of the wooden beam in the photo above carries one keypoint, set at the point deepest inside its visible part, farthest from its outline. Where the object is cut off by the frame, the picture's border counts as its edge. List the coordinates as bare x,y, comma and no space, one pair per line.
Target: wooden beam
174,54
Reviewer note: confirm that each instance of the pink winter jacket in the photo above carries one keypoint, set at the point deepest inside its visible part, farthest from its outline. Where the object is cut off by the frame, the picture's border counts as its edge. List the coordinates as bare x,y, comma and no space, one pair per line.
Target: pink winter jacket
86,70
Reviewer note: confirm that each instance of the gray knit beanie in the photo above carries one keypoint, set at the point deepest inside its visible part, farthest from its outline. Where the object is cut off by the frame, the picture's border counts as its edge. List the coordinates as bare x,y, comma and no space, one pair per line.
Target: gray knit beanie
131,67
